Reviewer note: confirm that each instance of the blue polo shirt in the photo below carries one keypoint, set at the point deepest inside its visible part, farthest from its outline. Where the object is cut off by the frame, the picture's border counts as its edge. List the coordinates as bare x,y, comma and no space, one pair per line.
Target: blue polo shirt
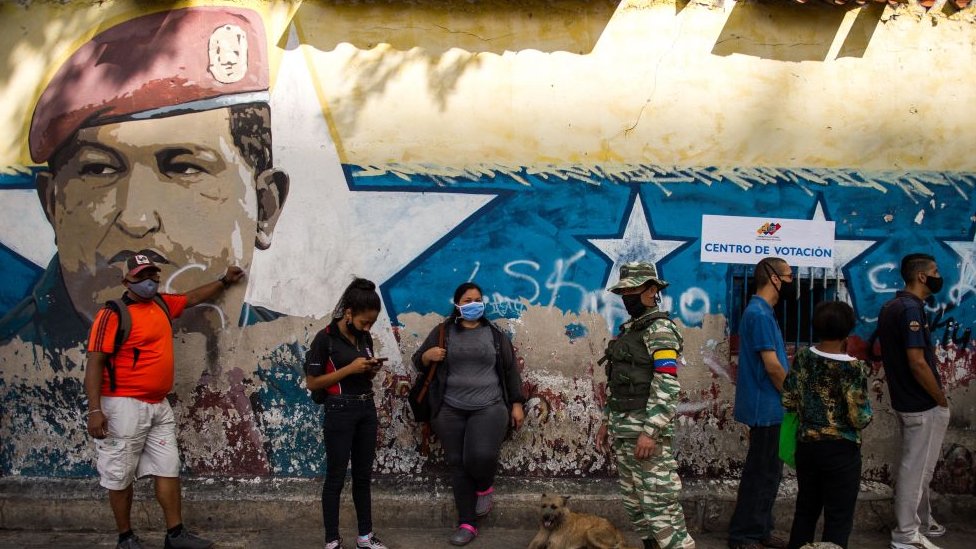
757,402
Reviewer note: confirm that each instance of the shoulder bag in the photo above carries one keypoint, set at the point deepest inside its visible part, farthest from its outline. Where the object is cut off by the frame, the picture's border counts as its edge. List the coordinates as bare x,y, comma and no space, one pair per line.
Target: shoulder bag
419,397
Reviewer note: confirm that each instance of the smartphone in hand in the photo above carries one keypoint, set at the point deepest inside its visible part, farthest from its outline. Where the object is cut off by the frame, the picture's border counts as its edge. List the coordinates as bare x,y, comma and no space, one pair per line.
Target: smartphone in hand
378,362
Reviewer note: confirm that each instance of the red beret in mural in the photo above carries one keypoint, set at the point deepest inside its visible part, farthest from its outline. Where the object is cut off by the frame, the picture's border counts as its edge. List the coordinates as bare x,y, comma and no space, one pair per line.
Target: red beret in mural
173,62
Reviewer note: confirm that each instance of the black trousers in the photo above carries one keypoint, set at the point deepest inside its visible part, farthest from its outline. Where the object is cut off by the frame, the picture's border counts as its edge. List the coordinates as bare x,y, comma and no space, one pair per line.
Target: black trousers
752,520
828,474
350,432
472,440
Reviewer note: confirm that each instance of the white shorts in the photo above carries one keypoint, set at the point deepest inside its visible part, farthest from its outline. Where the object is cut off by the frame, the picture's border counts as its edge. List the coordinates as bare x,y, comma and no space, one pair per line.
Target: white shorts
141,442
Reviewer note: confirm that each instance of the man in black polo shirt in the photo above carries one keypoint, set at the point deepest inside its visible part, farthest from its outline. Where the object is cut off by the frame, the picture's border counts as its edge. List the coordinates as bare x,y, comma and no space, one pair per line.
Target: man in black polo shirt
917,397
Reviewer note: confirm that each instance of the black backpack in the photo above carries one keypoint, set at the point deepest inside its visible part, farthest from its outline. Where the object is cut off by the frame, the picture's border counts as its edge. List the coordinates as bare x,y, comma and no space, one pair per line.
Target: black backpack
319,395
121,308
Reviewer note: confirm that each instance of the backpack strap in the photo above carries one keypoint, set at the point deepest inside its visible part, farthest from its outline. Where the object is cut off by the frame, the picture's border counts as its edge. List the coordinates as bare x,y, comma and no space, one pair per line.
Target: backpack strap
329,341
121,335
158,300
645,322
441,340
119,307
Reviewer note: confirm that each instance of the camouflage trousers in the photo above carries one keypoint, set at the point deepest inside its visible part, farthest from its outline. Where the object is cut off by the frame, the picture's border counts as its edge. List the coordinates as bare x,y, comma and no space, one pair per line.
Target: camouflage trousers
650,490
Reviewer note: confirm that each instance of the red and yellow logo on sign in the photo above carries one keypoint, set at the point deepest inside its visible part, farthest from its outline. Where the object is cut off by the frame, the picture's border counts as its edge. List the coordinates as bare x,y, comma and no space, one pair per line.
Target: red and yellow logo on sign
769,228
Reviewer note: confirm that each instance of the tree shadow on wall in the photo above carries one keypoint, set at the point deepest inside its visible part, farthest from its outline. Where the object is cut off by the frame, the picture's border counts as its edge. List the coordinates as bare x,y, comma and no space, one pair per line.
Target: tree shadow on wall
437,26
786,31
444,37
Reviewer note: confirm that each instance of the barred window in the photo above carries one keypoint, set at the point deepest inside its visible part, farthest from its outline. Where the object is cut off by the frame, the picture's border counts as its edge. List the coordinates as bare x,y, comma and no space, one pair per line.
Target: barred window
794,313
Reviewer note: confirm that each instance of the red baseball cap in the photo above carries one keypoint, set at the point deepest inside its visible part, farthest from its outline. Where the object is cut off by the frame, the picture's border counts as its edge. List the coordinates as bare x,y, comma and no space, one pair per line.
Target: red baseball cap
138,263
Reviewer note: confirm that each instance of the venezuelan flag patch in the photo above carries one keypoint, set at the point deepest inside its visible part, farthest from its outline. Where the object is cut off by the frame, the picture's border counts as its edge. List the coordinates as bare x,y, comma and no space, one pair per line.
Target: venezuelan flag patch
666,361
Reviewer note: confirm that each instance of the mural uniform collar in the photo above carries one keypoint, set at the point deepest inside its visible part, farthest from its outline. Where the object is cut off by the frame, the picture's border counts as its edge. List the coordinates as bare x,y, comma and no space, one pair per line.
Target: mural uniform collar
46,317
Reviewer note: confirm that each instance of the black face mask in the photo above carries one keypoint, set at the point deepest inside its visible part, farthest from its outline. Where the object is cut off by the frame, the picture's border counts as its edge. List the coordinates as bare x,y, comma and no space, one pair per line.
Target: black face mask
633,304
934,283
785,290
354,331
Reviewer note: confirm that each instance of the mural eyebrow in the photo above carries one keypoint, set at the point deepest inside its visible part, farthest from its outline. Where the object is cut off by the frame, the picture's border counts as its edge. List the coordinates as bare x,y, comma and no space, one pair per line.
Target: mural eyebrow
199,157
60,158
167,155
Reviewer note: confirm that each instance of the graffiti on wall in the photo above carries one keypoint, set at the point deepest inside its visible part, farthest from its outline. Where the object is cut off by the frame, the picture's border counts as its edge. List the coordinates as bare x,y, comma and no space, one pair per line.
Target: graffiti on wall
222,168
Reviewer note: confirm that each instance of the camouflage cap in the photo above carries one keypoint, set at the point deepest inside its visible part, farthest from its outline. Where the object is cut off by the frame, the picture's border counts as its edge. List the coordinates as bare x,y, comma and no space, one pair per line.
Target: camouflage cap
636,274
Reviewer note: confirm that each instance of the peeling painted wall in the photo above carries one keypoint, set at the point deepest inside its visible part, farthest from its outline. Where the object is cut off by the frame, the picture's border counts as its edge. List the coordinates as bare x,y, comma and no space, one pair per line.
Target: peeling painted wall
531,148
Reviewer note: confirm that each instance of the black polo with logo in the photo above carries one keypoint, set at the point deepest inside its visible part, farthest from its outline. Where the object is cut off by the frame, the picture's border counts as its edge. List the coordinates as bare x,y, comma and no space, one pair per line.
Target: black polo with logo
902,325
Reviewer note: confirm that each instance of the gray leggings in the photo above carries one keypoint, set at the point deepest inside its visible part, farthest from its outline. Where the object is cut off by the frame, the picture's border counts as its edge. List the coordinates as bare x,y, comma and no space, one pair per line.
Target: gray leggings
471,441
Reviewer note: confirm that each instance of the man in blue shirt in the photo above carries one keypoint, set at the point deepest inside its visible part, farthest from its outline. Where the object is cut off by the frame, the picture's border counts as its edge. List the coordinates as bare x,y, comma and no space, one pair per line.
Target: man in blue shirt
759,381
918,398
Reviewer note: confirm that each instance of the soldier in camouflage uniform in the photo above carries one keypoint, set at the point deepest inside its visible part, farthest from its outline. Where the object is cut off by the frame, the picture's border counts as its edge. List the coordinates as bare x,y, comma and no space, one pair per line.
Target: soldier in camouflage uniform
642,385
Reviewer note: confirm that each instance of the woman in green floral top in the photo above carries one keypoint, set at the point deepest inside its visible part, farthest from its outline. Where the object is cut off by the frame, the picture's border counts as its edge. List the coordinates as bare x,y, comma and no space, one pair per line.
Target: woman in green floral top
828,390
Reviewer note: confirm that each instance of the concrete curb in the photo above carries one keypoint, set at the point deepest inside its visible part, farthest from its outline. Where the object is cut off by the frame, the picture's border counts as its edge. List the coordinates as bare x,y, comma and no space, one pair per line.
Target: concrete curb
221,504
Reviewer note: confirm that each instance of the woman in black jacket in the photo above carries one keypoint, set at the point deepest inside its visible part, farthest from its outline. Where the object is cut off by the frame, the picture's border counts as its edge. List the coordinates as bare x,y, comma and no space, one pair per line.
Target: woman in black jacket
476,394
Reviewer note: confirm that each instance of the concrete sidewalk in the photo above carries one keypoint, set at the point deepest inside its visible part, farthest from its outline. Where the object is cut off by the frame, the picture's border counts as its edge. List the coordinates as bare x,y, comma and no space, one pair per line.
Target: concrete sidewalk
407,513
958,537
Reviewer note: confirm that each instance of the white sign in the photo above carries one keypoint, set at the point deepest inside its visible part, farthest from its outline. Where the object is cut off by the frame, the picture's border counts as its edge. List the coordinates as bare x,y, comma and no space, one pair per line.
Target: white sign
801,242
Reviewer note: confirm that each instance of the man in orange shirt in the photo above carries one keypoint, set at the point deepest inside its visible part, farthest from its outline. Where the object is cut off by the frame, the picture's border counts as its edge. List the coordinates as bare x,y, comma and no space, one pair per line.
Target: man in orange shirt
127,382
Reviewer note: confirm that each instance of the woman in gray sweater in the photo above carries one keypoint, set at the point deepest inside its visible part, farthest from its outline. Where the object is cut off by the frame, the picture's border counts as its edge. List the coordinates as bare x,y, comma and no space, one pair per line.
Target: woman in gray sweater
475,396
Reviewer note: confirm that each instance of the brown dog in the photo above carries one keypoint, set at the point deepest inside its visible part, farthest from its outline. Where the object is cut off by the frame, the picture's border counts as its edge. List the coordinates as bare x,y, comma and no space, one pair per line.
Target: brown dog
564,529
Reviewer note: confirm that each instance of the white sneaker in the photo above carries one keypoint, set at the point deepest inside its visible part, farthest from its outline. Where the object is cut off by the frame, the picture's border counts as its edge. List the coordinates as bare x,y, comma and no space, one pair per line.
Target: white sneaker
372,542
334,544
933,530
920,542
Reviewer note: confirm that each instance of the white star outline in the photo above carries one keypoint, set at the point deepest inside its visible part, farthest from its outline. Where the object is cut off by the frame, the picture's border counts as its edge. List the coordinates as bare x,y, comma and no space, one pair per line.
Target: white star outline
637,242
966,250
329,231
846,249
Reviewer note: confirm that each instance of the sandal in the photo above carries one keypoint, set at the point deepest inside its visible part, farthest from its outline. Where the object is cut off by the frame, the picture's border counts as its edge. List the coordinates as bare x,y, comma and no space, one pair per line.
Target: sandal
464,535
484,503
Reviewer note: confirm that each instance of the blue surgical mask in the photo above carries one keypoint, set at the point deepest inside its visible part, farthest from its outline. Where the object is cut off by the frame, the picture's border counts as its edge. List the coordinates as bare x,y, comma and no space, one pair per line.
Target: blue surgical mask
472,311
145,289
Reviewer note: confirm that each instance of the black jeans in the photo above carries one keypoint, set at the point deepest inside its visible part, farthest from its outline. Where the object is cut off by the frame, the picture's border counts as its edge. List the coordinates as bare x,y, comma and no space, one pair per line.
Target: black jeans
828,473
752,520
472,440
350,431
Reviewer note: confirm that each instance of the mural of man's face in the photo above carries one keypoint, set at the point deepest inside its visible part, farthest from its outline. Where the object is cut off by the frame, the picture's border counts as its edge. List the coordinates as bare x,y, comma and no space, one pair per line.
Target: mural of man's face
228,54
177,186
